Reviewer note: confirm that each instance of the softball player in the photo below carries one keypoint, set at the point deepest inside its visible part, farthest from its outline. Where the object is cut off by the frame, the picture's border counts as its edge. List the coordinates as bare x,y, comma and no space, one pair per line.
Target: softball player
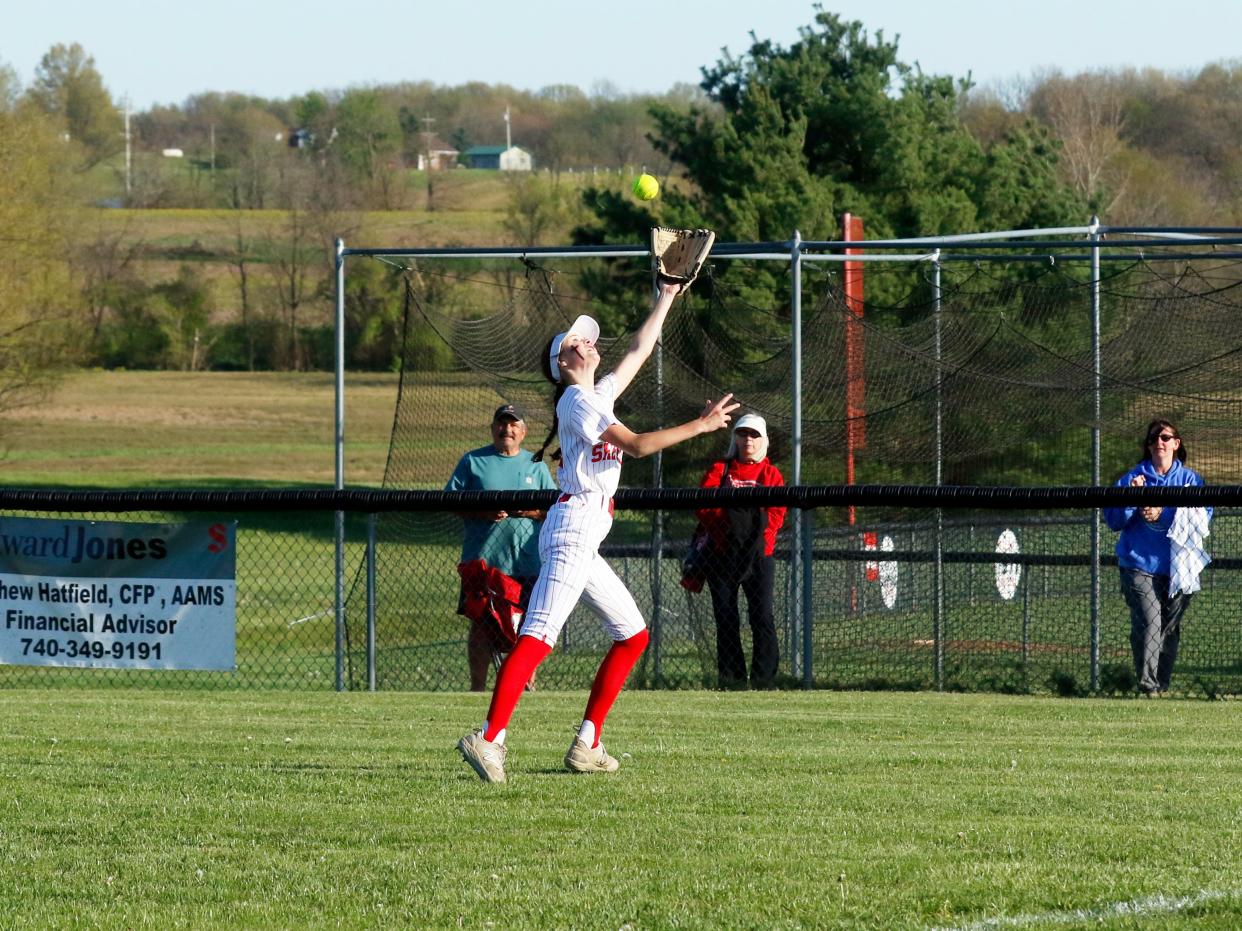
593,443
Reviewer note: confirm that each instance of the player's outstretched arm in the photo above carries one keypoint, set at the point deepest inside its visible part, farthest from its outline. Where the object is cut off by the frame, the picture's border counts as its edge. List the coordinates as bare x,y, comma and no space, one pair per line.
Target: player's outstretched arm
715,416
648,334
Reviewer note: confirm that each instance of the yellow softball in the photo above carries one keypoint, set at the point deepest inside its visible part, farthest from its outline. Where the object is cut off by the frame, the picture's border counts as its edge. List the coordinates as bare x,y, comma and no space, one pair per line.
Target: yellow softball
646,187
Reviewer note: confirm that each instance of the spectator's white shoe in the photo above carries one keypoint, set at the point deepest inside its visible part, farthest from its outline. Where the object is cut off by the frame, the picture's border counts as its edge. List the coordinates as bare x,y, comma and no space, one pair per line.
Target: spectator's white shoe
485,757
584,759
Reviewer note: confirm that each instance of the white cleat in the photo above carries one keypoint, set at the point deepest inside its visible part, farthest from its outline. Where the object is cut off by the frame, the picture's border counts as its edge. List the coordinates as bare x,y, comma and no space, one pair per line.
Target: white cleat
584,759
485,757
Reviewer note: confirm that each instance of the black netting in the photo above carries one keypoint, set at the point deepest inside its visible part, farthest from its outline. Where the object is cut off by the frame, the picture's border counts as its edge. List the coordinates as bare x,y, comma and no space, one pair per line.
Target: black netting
1007,359
1004,357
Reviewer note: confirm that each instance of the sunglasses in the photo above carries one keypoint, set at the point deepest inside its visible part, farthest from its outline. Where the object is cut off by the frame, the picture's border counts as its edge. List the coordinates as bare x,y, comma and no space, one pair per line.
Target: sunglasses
747,434
1166,437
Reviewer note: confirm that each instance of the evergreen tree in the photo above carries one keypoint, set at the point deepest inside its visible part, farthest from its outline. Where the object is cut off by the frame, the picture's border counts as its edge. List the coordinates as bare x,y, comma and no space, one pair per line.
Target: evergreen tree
791,138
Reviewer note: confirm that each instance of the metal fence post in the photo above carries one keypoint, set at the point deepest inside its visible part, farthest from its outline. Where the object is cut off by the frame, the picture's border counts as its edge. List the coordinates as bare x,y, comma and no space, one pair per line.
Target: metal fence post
938,566
1026,618
808,597
371,602
795,614
1095,453
340,463
970,567
657,516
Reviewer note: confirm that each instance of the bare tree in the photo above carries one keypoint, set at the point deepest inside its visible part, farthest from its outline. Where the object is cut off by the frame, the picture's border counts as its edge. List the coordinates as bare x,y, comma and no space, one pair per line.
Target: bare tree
300,249
1087,112
239,260
104,268
289,253
10,88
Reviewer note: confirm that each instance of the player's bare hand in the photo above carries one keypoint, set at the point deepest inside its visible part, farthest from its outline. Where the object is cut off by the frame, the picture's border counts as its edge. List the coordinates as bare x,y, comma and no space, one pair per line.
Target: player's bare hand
498,516
670,288
1138,481
716,415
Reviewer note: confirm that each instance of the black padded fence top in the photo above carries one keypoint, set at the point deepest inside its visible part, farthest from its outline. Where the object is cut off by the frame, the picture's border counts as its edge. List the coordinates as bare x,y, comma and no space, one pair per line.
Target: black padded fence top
370,501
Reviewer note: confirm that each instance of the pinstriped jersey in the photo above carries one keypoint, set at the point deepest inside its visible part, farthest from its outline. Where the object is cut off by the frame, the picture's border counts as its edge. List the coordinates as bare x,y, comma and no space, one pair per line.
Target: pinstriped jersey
588,462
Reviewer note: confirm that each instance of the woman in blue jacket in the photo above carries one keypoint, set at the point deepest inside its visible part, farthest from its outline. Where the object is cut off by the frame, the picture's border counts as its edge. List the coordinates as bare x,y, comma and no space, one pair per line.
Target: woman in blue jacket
1160,555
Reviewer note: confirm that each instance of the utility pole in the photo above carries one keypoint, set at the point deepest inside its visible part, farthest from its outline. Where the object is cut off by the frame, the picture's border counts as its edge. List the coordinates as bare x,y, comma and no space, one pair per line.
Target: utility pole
508,128
129,186
428,122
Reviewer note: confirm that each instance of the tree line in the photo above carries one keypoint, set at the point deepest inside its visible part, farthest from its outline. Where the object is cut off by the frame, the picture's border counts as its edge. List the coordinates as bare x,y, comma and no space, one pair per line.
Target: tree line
1135,145
370,137
772,139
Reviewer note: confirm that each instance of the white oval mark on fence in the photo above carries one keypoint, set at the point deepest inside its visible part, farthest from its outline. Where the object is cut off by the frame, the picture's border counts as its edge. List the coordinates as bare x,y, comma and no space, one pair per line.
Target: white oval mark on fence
1008,574
888,575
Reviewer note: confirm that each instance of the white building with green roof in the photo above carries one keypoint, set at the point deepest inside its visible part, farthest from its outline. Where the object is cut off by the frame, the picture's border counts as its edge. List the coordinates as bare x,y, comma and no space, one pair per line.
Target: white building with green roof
498,157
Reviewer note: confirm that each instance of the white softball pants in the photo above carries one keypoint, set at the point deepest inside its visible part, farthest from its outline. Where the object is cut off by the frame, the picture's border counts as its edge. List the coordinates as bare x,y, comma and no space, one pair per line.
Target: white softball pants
572,569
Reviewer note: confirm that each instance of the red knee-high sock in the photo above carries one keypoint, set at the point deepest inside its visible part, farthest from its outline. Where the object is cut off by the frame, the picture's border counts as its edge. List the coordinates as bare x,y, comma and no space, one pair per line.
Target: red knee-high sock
514,673
613,672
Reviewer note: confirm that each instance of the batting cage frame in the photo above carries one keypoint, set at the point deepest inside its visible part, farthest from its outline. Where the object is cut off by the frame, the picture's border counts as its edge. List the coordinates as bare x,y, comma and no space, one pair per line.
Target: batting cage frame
1089,246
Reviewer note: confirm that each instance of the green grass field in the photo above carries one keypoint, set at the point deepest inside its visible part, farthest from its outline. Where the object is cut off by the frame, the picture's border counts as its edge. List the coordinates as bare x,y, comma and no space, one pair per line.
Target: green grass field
770,810
198,429
467,206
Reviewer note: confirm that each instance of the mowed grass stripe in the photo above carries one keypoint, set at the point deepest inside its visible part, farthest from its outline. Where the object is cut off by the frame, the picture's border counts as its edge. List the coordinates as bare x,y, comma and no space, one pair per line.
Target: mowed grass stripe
826,810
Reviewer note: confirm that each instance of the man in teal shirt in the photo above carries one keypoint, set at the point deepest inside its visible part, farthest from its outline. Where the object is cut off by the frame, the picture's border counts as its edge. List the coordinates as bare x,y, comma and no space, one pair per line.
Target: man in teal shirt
505,540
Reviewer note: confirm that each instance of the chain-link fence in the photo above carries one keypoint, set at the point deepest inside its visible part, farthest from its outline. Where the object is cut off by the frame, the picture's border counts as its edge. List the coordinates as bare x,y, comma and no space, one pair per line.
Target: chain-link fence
1006,607
1005,603
996,601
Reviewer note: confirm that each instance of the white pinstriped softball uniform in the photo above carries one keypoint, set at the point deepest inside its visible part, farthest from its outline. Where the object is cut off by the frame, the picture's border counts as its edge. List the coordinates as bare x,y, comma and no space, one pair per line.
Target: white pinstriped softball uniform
576,525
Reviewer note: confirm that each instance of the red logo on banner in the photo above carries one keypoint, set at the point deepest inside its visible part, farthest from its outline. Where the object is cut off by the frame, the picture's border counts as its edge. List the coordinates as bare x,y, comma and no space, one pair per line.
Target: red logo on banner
220,539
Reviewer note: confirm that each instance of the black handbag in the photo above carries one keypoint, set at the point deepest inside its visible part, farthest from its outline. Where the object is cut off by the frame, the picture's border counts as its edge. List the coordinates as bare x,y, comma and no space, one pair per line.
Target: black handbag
694,564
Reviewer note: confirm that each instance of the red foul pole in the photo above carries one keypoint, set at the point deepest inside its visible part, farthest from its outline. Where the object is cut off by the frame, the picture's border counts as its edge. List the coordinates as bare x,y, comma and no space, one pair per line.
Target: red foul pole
855,409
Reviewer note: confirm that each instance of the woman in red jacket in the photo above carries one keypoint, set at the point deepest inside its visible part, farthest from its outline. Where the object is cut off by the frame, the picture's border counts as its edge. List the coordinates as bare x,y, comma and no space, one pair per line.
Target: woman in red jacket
743,541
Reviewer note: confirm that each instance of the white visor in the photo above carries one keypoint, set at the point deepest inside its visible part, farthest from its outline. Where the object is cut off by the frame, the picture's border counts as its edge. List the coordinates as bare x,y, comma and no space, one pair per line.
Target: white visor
585,327
752,422
749,422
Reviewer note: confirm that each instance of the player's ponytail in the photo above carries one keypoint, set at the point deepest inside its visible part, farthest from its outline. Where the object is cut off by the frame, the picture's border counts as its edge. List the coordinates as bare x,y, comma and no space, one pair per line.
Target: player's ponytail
546,363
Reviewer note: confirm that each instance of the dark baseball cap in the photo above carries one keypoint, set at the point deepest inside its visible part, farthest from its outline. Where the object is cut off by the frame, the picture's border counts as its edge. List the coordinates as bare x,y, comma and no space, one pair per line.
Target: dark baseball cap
508,412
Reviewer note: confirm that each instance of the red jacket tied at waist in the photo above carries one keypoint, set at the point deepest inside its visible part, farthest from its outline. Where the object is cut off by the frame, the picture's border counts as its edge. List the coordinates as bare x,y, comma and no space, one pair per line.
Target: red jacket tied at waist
491,597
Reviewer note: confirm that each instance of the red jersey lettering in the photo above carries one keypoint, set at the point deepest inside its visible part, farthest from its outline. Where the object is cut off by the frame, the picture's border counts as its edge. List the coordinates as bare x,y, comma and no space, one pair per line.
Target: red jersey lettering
602,452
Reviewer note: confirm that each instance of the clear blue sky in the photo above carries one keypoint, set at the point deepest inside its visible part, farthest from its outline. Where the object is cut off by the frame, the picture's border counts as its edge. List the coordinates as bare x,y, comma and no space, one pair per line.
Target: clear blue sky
157,52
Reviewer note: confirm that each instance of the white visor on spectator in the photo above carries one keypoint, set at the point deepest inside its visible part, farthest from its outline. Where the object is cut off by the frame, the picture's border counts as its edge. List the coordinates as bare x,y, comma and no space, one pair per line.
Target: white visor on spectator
749,422
585,327
752,422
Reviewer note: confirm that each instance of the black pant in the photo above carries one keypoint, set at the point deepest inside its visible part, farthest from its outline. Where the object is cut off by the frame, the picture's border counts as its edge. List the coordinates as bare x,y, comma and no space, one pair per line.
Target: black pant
724,582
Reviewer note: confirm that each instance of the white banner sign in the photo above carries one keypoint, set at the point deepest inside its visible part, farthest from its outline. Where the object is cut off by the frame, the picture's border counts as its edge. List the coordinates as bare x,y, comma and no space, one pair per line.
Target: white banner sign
116,595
